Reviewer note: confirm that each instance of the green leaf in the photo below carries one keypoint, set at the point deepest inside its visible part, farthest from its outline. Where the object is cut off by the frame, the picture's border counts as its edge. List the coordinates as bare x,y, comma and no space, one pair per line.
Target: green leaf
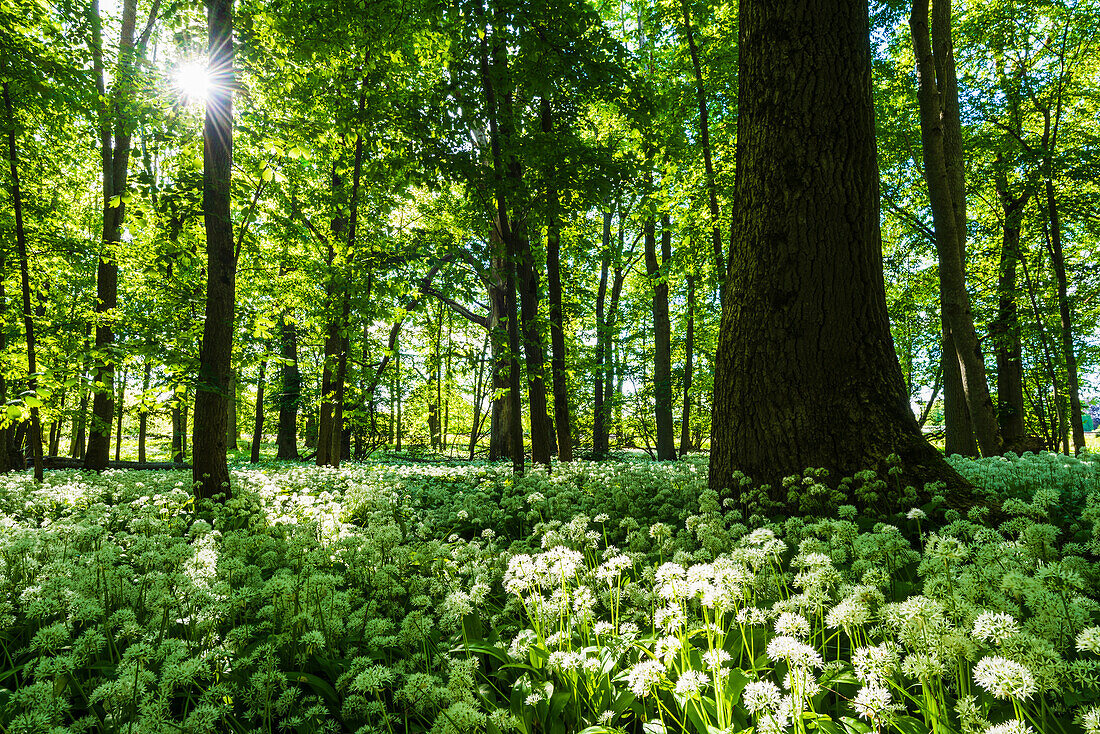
114,201
267,175
909,725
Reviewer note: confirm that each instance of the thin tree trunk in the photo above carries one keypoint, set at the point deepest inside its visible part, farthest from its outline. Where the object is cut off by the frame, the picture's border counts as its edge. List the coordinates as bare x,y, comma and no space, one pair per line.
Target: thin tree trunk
559,379
479,389
689,347
231,429
1057,259
1048,349
291,390
115,159
143,410
704,143
35,435
947,213
209,465
533,350
121,413
662,336
1005,330
600,428
258,429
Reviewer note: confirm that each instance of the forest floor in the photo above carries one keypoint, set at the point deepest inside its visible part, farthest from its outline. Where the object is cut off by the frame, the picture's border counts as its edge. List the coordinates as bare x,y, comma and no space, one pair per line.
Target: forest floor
601,597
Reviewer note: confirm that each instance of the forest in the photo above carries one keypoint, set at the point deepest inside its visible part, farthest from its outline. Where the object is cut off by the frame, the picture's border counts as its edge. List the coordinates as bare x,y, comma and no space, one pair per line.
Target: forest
650,367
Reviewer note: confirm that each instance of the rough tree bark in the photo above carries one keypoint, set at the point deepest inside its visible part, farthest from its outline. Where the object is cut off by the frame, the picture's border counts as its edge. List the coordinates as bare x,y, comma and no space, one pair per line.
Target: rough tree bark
210,470
143,410
805,372
600,417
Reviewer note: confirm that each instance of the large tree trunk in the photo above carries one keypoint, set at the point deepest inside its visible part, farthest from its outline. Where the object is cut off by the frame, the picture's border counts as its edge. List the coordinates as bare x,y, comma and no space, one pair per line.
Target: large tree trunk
34,437
500,421
662,336
689,347
291,392
938,99
258,425
559,379
209,465
805,373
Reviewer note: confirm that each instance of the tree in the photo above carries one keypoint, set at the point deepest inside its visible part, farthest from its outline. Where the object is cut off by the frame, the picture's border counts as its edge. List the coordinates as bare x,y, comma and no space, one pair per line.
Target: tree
209,465
805,371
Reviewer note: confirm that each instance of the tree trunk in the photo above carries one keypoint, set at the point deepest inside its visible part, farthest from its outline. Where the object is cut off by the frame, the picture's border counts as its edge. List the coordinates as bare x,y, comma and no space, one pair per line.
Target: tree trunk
704,143
938,103
1065,313
805,373
34,437
7,432
291,394
662,336
559,379
600,427
689,347
143,410
1005,330
209,465
121,414
115,161
533,350
258,430
231,429
479,390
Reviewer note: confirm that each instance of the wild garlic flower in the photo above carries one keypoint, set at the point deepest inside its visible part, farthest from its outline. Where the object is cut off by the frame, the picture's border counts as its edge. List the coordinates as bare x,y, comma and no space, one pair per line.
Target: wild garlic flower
670,581
761,697
691,683
752,616
643,676
1089,640
795,652
792,625
1005,678
1090,720
801,682
875,704
873,665
670,618
995,627
1012,726
916,514
848,613
715,658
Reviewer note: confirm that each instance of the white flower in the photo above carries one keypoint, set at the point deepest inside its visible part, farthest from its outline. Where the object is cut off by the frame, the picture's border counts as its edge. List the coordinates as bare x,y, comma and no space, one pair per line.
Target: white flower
715,658
801,682
1012,726
761,696
793,625
873,665
916,514
874,703
795,652
691,683
643,676
1004,678
995,627
1089,641
1090,720
670,618
752,616
848,613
